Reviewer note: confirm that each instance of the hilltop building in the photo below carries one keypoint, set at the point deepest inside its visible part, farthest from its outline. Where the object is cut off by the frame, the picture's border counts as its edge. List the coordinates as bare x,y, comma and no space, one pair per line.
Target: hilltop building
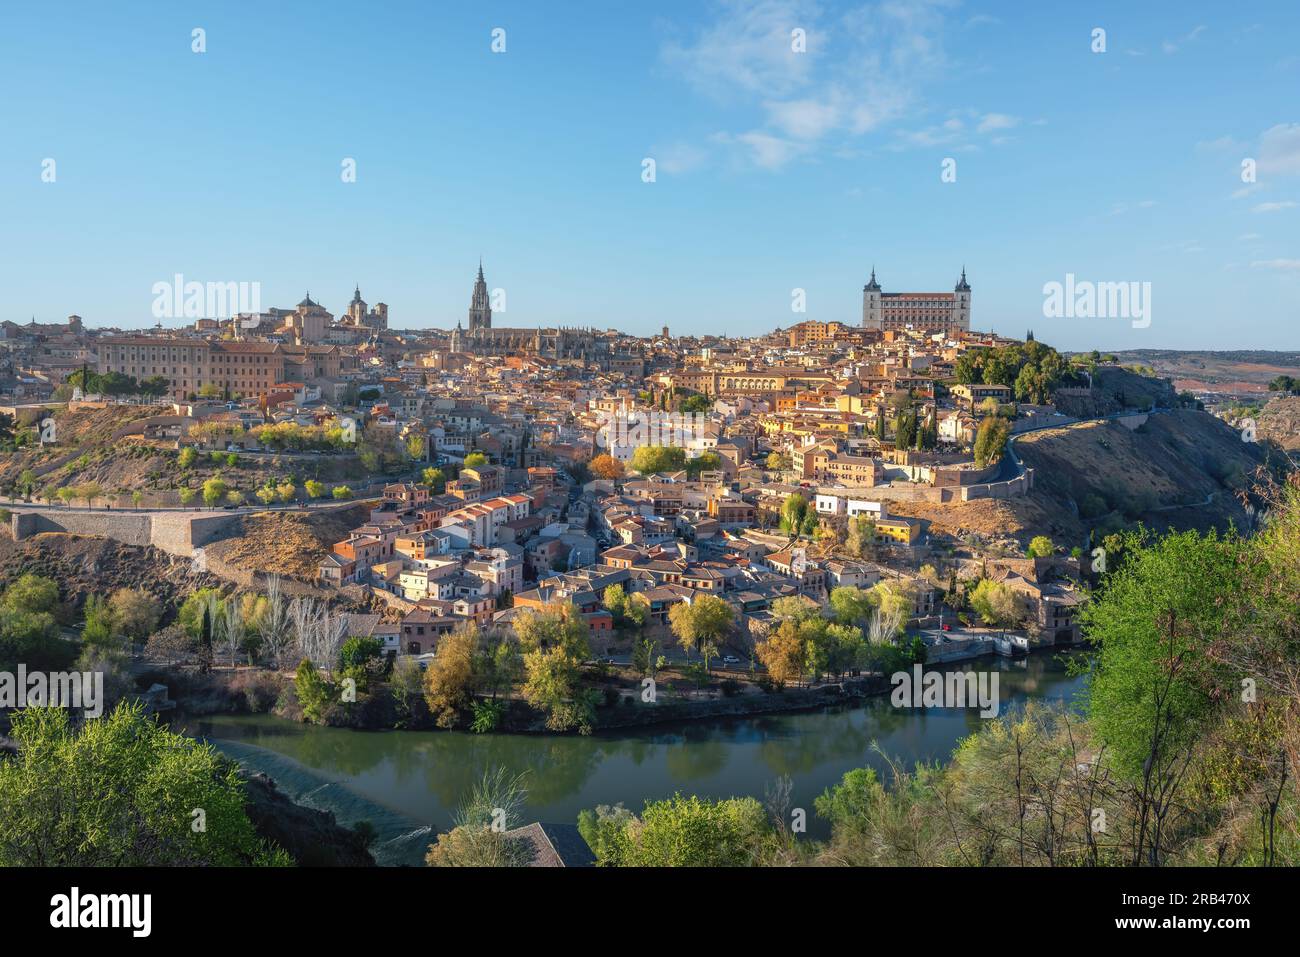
947,312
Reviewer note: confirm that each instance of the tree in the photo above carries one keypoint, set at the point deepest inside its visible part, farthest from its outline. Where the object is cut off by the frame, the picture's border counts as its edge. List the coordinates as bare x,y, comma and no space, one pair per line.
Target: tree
100,629
185,494
860,541
1152,693
606,467
136,612
794,514
449,680
851,605
554,642
436,479
681,832
314,488
1040,547
696,404
495,805
89,492
615,602
31,593
475,460
121,791
342,492
991,440
649,459
778,461
707,462
214,490
701,624
273,626
782,654
998,604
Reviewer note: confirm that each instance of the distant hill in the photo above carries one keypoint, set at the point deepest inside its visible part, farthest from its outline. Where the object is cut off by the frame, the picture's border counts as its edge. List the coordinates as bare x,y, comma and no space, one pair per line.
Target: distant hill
1240,371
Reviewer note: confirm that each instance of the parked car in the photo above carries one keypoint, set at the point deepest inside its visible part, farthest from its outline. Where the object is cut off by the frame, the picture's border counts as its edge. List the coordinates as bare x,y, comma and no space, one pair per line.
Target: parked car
730,660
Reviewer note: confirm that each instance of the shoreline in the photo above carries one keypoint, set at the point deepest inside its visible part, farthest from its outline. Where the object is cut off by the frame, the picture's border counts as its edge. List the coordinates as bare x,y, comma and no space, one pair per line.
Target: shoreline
217,699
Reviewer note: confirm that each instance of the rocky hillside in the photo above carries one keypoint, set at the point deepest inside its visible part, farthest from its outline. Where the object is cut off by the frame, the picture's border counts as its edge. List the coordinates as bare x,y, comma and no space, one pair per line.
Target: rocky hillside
88,453
291,544
97,566
1182,468
1279,422
1115,389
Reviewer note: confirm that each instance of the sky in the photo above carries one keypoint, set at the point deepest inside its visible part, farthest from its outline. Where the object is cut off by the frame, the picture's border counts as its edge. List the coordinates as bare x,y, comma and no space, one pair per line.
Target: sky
795,145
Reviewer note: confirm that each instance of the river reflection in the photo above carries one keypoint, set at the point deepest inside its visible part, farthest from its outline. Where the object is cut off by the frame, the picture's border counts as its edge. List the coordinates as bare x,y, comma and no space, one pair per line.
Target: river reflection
407,783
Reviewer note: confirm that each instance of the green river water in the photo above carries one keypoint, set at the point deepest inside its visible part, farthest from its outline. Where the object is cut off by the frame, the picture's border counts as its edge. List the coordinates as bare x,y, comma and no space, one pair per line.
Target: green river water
408,783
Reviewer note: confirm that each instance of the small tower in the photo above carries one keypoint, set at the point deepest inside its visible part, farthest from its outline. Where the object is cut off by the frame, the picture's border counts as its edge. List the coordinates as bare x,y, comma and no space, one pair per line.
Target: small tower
480,309
871,316
961,304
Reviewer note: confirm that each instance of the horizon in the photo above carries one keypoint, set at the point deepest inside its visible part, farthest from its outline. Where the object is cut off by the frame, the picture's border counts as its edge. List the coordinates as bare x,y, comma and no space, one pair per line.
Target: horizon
803,169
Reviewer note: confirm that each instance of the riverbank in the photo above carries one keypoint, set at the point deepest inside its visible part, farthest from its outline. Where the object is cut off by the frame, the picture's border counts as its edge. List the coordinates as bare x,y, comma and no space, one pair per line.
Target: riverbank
408,785
622,705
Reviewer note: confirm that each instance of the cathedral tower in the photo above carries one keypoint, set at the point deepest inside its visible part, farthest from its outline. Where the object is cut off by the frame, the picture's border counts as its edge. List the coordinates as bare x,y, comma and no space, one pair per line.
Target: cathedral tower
480,309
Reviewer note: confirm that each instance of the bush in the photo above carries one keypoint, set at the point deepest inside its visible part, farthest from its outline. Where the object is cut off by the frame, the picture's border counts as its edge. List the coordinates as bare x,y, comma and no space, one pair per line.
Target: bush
259,689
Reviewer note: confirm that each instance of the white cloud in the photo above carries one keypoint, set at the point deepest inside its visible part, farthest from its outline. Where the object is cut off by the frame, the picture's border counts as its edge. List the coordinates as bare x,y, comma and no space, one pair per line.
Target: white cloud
1248,237
804,119
679,158
1221,145
763,149
749,49
1172,46
1272,207
997,121
1279,149
1285,265
864,68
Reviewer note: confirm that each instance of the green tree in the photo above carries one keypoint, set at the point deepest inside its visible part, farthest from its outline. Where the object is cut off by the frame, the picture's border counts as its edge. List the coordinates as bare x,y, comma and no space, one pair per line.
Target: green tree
1040,547
991,440
121,791
649,459
555,643
681,832
214,491
475,460
701,624
1152,693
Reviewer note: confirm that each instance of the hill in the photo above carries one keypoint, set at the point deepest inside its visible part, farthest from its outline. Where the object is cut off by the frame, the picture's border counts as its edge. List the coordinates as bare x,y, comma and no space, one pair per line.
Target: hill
1181,469
1279,422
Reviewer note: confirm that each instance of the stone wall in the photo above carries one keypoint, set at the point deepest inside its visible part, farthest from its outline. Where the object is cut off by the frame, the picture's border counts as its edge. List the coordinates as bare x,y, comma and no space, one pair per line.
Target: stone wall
177,533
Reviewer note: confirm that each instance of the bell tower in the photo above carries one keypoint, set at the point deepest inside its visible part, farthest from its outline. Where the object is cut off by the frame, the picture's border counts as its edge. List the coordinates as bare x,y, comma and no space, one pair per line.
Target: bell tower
480,309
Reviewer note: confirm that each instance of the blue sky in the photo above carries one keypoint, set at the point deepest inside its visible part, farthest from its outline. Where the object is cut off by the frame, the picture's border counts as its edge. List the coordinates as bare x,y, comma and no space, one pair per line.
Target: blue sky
776,170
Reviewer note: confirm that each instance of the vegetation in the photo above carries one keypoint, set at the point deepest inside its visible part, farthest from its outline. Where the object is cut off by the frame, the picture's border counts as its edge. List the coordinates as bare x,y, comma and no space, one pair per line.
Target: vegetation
121,791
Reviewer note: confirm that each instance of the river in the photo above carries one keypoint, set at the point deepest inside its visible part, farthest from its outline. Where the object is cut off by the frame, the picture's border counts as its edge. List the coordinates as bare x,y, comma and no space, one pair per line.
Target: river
408,783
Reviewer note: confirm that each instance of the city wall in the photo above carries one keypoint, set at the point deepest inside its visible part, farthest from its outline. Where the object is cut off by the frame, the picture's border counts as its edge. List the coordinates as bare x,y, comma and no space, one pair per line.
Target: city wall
177,534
